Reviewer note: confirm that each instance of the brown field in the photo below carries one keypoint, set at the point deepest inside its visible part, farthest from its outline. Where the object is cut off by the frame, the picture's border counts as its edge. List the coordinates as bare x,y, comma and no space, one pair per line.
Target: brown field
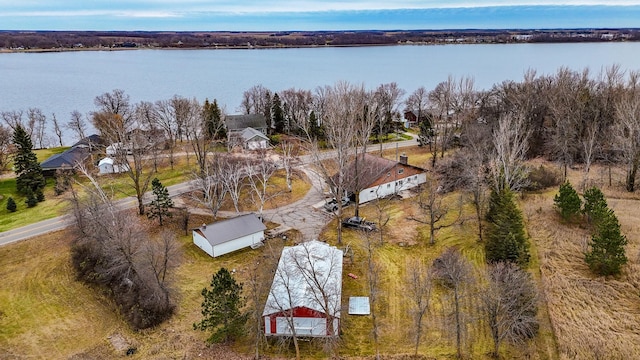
45,313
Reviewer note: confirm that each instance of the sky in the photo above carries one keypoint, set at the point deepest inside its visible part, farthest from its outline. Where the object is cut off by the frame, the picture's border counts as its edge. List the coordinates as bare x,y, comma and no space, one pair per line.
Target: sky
289,15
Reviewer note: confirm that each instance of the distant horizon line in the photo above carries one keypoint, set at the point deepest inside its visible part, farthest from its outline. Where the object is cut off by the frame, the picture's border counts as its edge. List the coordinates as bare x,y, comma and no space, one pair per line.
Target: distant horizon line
324,31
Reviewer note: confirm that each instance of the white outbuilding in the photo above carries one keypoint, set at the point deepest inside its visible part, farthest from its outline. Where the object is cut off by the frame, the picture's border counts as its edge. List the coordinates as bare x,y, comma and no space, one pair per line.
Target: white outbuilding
229,235
108,166
305,297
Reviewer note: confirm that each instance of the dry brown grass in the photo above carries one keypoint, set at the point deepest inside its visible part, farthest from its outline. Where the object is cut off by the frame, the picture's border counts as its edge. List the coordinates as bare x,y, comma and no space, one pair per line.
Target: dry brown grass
593,317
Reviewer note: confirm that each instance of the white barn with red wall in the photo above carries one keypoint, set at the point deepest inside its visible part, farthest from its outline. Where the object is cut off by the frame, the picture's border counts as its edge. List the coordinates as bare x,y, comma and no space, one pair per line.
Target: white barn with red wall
295,300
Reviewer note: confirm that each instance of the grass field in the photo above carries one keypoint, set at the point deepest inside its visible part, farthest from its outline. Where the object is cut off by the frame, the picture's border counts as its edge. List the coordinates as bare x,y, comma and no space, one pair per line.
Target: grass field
45,313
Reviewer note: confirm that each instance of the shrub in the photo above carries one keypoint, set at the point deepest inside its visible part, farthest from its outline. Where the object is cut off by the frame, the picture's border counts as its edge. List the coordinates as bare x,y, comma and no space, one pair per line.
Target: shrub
542,178
11,205
568,202
31,200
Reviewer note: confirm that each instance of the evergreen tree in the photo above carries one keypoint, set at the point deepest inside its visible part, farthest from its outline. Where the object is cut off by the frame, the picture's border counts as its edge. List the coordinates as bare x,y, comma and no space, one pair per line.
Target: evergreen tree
31,200
316,131
568,202
426,131
11,205
506,240
213,126
160,205
595,205
29,178
221,308
277,115
607,254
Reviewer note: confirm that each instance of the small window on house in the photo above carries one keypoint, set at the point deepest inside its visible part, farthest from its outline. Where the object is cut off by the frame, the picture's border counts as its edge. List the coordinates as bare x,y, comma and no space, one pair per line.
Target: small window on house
388,174
371,191
415,177
400,171
400,182
388,186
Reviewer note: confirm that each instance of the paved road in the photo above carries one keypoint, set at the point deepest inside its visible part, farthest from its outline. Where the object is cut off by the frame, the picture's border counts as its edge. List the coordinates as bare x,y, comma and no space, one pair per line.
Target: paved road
300,215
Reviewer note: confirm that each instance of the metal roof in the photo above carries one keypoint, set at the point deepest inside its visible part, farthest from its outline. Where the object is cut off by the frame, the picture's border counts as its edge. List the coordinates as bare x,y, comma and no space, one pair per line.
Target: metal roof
68,159
359,305
306,272
249,133
226,230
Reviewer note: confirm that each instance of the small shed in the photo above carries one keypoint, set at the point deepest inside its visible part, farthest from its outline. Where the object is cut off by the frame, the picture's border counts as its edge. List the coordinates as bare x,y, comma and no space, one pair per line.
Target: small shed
108,166
229,235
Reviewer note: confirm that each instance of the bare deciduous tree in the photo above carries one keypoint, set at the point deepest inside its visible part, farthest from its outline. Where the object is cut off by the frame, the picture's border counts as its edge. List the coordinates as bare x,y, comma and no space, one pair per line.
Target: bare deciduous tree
6,147
289,155
235,172
509,303
209,189
259,173
297,107
506,165
13,119
455,274
57,129
166,119
111,250
38,123
418,280
339,116
627,130
433,207
77,124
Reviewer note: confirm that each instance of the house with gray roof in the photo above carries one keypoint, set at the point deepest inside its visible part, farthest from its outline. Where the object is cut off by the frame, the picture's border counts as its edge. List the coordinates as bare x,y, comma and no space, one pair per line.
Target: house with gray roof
249,138
67,160
223,237
237,123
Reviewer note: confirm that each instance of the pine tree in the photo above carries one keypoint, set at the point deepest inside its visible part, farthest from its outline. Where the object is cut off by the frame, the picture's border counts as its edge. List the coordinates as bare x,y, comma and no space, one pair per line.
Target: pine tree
29,178
568,202
595,205
160,205
214,129
31,200
506,240
607,254
426,131
277,114
11,205
221,308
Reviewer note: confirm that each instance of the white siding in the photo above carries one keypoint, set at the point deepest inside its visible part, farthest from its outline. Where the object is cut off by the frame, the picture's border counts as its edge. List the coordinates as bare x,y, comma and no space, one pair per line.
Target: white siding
303,326
202,243
237,244
392,187
267,325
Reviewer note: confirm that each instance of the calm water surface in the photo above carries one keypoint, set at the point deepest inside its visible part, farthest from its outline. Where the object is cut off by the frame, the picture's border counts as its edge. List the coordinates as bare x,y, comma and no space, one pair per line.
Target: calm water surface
62,82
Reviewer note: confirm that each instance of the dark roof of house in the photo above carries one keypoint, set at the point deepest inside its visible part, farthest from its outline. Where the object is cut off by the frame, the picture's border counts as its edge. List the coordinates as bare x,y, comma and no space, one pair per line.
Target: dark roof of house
65,160
241,122
91,139
226,230
370,168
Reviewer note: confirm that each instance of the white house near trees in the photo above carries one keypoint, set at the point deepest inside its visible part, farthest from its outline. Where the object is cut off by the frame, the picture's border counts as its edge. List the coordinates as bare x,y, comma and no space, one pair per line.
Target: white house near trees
305,297
229,235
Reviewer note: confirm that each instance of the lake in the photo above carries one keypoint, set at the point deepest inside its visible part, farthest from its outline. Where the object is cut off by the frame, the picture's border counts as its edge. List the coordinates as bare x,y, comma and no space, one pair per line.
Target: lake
61,82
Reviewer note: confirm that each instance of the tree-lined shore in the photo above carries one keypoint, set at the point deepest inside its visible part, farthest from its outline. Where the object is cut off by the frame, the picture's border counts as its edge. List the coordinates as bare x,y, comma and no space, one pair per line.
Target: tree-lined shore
45,41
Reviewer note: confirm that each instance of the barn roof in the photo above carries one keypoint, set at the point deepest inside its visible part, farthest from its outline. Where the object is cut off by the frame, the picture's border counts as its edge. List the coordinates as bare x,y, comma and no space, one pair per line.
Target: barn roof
293,283
241,122
230,229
